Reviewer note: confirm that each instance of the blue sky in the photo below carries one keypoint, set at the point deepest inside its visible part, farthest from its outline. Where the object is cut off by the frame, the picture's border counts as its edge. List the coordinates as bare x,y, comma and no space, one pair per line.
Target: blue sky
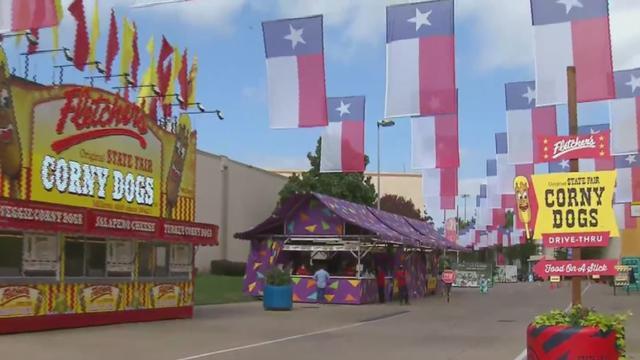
494,46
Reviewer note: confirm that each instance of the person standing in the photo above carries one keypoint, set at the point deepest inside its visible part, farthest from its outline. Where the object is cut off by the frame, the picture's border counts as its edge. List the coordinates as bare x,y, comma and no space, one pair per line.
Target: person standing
401,279
322,280
380,279
448,278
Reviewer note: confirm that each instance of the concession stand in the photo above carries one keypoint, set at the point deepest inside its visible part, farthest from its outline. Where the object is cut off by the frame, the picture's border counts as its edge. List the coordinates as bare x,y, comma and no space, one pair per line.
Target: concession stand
97,209
352,242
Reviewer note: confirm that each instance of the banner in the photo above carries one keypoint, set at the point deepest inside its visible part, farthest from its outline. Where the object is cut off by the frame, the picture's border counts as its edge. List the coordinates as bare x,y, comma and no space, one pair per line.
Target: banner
592,146
575,203
603,267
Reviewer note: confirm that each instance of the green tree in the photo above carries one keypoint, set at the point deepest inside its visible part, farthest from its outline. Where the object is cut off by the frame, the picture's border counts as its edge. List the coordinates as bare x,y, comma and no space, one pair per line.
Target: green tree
399,205
354,187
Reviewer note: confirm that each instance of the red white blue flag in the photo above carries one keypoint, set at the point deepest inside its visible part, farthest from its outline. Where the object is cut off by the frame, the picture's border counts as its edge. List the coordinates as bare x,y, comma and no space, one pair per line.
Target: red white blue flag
440,188
20,15
572,33
506,172
624,113
601,164
343,139
420,59
434,142
623,216
525,122
628,178
494,197
295,72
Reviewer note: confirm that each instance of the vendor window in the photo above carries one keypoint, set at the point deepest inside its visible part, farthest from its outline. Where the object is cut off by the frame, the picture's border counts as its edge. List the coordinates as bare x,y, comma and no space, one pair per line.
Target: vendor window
153,260
10,255
162,261
85,258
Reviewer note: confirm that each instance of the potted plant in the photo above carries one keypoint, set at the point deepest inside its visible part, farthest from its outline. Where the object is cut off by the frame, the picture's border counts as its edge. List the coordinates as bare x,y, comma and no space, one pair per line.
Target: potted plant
278,291
576,333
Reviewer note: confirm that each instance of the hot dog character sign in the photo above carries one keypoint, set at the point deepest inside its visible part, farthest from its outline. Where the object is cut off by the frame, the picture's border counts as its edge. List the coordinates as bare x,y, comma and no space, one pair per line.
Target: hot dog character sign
521,187
178,157
10,151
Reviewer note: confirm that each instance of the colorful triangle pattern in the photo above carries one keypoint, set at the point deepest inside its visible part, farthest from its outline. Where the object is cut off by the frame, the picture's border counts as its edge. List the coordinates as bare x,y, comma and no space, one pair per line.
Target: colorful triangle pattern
295,280
349,298
260,275
334,285
329,298
311,228
256,265
311,283
354,283
304,217
313,296
296,297
325,226
252,286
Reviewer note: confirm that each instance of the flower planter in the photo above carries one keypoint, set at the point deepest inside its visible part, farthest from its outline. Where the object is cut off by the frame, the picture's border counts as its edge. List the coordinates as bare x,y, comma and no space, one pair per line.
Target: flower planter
565,342
278,297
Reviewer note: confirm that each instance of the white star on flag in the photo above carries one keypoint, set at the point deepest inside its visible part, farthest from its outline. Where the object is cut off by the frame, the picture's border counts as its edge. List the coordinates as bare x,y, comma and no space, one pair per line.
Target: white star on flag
593,131
564,164
343,108
421,19
634,83
570,4
631,159
530,94
295,36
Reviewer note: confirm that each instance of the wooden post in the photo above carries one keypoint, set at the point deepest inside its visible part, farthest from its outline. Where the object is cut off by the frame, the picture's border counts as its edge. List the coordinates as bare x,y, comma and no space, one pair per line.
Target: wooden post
572,104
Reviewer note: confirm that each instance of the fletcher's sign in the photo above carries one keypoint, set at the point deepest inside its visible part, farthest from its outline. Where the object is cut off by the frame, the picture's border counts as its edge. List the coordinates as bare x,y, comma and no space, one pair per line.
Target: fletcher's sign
575,203
554,148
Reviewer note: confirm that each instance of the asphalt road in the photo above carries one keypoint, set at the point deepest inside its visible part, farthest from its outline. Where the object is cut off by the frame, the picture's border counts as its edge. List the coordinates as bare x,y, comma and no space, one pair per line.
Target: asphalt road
472,326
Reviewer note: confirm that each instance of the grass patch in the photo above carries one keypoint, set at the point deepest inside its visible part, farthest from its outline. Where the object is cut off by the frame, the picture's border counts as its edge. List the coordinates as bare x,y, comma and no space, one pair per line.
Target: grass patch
219,289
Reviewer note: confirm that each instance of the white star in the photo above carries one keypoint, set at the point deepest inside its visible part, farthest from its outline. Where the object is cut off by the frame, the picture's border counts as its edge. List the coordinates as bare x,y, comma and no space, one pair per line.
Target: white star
594,131
421,19
570,4
634,83
631,159
295,36
343,108
564,164
530,94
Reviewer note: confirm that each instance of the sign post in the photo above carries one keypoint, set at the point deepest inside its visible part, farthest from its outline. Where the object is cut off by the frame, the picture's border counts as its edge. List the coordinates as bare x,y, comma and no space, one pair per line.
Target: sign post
572,104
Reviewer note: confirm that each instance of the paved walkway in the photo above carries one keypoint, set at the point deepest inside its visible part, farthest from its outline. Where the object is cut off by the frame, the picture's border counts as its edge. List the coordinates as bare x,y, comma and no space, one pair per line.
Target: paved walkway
473,326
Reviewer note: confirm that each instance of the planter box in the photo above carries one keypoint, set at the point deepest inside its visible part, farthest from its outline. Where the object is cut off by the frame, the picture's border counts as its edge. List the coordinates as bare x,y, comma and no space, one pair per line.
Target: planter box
569,343
278,297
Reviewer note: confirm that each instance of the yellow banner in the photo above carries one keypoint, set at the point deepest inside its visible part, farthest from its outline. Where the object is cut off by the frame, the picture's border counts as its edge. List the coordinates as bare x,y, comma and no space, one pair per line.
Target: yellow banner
575,203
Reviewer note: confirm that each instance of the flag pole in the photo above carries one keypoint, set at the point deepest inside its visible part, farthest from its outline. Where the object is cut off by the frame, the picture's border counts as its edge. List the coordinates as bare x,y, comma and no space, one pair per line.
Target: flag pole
572,104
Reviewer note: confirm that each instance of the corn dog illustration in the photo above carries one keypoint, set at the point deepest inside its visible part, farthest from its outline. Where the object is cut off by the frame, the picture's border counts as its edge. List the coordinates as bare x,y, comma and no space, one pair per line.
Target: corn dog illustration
10,151
174,178
521,187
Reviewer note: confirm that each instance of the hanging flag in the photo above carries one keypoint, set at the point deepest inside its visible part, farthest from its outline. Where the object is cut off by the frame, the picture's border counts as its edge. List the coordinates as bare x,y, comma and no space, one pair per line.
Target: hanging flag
126,55
163,76
506,172
572,33
434,142
95,33
526,122
22,15
55,31
343,139
113,47
421,77
561,166
628,178
183,80
33,47
135,60
623,216
602,164
193,73
163,84
81,49
143,4
494,198
295,72
440,188
624,113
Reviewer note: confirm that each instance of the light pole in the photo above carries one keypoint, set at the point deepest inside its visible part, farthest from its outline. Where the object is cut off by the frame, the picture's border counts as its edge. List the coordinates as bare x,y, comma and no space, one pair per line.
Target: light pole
381,123
465,196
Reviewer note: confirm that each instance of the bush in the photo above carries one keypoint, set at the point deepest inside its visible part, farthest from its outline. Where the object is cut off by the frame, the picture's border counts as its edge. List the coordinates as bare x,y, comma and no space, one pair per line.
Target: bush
278,277
227,268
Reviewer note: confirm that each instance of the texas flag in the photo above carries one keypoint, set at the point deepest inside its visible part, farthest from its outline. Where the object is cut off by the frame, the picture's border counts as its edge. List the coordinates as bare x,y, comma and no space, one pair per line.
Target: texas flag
624,113
440,188
343,140
628,178
506,172
623,216
420,59
21,15
434,142
295,73
494,197
526,122
595,164
561,166
572,33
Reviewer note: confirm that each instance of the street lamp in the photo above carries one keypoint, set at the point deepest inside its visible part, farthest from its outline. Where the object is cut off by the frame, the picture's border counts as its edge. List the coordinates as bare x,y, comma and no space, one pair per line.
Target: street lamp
382,123
465,197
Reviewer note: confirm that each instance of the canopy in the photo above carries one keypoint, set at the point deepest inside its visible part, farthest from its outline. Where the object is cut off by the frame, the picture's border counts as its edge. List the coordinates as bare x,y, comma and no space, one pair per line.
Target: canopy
387,227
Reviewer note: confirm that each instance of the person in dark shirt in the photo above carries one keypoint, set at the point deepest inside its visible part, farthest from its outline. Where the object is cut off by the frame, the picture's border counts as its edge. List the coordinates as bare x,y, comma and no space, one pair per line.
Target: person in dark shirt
401,278
380,280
